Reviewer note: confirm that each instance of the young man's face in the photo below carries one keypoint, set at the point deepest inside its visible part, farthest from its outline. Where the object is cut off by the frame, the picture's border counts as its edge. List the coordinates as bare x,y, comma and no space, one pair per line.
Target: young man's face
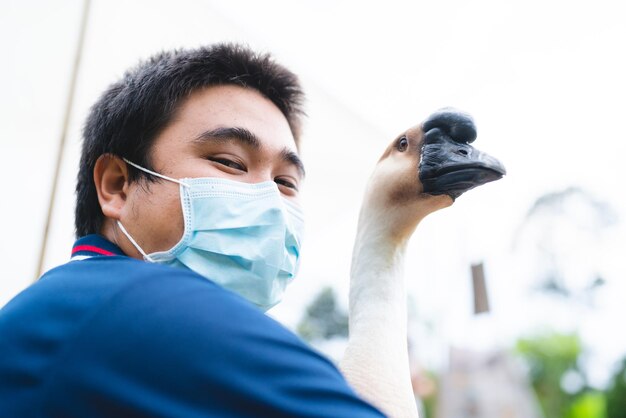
222,131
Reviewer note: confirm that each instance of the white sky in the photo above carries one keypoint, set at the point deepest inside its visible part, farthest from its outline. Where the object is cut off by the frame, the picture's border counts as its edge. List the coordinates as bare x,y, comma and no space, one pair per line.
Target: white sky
544,81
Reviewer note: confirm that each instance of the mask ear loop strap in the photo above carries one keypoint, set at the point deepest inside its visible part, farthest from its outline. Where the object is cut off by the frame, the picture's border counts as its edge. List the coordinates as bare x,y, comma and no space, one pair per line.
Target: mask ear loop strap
154,173
124,231
132,241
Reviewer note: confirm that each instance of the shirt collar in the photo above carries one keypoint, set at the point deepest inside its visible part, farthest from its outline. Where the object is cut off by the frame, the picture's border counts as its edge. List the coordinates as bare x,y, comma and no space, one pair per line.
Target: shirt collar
94,246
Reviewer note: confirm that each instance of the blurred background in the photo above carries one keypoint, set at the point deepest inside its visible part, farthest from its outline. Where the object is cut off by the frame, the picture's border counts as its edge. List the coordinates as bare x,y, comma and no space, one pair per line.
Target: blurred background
516,293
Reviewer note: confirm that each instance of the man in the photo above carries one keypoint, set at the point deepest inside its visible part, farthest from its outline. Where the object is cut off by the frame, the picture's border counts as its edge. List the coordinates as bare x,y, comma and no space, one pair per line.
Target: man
189,227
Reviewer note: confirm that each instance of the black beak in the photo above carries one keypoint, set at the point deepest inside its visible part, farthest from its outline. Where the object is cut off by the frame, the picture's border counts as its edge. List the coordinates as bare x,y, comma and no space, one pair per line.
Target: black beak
449,164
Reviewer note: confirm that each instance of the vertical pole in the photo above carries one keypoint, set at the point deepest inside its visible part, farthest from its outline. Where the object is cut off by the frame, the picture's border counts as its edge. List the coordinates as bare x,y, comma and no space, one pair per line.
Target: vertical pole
481,301
66,120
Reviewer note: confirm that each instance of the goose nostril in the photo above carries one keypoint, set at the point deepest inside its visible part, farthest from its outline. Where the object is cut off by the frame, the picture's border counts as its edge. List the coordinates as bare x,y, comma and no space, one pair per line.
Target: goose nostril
463,151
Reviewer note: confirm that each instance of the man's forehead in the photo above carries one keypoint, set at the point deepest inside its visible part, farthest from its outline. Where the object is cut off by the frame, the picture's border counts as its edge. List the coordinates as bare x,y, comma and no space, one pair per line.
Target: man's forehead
229,106
236,106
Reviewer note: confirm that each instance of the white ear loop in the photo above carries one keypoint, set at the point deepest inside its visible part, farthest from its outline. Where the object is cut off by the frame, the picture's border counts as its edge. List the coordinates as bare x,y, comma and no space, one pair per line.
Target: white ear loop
124,231
132,241
154,173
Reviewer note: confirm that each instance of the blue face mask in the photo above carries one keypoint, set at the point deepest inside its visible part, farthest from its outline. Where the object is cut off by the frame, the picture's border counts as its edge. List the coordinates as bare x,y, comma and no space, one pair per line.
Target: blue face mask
245,237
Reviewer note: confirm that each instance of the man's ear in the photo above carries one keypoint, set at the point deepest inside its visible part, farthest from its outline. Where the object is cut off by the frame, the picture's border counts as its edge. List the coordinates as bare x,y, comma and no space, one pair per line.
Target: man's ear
110,176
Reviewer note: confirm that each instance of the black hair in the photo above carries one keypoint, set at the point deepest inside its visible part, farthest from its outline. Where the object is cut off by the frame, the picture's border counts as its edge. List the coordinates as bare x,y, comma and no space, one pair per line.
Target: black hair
132,112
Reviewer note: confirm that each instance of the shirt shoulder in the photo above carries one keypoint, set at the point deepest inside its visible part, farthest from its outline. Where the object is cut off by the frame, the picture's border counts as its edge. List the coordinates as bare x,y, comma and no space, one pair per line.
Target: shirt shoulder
166,338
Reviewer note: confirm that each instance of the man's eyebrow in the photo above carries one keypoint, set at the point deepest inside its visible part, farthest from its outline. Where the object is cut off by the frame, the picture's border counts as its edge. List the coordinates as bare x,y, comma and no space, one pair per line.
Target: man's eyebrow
292,158
243,135
226,134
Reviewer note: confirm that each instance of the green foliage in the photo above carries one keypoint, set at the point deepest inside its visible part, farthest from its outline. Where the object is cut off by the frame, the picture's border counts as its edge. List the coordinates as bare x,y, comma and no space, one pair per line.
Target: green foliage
323,318
549,357
429,403
616,394
588,405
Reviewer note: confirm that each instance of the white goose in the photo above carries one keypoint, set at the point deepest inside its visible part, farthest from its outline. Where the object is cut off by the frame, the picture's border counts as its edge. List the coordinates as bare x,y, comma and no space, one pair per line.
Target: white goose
423,170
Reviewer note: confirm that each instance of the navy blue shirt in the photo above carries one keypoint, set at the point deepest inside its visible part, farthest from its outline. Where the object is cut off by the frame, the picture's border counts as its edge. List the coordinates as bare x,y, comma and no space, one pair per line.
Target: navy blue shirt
111,336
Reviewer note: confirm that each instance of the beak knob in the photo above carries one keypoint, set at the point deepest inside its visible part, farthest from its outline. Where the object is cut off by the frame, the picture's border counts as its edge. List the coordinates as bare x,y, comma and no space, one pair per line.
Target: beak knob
457,125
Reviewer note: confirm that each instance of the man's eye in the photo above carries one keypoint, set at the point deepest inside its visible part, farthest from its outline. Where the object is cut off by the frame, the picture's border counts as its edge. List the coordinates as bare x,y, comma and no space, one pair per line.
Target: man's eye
228,163
286,183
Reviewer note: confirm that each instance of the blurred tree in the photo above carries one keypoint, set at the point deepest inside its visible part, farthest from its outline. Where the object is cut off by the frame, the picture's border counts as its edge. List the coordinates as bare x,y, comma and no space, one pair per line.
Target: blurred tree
588,405
563,234
562,238
550,358
323,318
616,394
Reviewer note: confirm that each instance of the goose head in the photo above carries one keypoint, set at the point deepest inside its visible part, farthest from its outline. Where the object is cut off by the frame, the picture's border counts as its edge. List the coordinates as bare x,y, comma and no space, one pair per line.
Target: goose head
425,169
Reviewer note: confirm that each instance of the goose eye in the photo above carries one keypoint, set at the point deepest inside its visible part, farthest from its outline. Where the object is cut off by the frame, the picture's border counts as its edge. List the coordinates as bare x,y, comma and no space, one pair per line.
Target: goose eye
402,144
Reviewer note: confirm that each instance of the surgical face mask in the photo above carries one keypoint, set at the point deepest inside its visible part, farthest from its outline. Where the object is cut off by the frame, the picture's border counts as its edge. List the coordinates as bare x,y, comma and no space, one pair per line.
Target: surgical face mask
245,237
